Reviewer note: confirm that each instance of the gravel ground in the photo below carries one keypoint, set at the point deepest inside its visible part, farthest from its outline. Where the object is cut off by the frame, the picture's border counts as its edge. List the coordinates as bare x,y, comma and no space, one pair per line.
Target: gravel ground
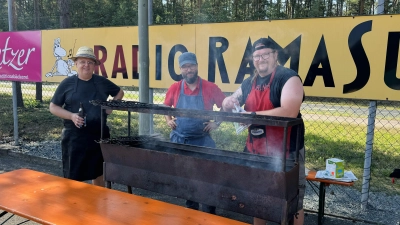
342,203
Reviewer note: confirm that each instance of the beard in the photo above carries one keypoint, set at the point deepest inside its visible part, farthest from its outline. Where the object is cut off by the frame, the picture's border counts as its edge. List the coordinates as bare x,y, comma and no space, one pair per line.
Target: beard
190,80
265,68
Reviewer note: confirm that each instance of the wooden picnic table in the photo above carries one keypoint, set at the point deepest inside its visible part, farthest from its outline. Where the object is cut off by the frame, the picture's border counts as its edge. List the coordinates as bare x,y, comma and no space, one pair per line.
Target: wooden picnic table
48,199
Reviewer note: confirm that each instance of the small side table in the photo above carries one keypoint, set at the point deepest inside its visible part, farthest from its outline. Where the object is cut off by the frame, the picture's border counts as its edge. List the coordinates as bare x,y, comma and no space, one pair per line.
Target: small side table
323,183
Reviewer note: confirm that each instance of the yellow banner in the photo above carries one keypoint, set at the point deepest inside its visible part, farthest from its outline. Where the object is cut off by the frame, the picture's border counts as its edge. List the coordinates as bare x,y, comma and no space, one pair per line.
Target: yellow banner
346,57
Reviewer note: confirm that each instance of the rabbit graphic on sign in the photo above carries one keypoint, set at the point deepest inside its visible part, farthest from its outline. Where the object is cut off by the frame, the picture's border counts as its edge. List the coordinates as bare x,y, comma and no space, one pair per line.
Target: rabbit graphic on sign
61,67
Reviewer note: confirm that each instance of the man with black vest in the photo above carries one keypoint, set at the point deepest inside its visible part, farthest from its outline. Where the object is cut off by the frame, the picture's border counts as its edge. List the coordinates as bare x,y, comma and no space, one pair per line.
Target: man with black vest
273,90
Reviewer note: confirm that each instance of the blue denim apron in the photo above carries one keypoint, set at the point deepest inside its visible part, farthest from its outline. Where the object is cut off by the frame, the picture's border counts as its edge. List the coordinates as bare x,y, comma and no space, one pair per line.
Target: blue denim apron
190,130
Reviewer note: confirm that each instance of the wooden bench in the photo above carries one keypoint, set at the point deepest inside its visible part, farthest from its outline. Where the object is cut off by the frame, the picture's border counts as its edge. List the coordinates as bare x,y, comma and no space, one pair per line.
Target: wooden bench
323,183
49,199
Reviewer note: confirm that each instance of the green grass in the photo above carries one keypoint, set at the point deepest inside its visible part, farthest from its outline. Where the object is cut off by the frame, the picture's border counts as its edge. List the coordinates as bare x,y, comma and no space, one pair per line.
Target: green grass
324,139
345,141
350,115
35,122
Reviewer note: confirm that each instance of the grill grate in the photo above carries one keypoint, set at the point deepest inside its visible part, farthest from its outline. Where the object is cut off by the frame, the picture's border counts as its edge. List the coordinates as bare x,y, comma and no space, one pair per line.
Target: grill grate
123,104
140,107
132,140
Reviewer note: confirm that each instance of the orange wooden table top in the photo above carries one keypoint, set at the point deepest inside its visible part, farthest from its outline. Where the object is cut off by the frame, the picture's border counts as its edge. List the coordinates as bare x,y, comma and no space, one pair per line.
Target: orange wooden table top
311,176
49,199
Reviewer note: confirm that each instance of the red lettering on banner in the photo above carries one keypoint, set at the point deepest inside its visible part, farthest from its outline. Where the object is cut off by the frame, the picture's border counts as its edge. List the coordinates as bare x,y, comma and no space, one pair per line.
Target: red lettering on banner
135,74
119,58
103,59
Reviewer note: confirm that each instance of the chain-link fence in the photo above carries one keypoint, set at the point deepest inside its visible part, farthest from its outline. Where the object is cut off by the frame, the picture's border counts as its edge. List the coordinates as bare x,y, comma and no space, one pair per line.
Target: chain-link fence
334,128
338,128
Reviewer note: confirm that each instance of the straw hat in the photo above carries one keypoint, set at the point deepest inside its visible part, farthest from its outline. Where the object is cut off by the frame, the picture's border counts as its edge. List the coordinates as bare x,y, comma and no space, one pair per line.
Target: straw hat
86,52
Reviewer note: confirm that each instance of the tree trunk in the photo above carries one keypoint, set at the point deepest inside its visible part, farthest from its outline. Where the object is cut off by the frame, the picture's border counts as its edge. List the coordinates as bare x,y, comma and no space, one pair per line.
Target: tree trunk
361,11
63,6
386,10
329,11
20,100
394,6
15,15
36,13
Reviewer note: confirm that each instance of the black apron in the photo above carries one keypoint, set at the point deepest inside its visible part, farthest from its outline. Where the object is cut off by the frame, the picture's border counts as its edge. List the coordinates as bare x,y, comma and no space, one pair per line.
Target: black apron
81,154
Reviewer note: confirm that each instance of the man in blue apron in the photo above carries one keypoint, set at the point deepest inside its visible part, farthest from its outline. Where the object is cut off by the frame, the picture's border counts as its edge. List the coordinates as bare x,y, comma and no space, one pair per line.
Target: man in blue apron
192,92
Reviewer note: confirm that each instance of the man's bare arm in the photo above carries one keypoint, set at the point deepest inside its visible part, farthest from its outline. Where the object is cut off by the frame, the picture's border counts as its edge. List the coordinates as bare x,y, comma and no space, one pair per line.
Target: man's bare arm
229,102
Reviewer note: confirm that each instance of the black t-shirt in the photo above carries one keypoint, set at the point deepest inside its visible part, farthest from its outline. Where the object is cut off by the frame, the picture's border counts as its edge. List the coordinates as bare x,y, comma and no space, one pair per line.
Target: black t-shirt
282,75
72,91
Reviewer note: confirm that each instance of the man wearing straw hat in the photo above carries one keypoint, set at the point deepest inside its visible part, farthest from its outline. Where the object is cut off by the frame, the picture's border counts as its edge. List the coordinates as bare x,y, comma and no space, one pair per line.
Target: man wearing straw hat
81,154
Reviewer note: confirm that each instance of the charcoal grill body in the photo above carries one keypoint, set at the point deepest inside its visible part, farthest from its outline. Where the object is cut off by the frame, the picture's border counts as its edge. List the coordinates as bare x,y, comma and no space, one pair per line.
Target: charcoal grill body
259,186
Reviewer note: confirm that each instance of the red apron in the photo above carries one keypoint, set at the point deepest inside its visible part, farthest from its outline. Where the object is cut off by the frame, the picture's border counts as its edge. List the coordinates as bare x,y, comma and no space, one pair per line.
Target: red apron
264,140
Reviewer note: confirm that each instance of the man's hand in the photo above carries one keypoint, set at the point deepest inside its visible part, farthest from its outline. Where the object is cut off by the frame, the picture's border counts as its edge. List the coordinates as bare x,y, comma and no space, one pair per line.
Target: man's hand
210,126
171,123
229,103
78,121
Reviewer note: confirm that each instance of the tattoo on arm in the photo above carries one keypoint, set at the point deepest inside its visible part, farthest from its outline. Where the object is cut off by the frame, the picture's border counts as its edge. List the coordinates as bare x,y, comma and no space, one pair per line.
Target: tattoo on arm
238,94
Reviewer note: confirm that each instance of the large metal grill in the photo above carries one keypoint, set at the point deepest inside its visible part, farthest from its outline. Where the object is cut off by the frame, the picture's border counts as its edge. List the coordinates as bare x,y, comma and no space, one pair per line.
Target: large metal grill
259,186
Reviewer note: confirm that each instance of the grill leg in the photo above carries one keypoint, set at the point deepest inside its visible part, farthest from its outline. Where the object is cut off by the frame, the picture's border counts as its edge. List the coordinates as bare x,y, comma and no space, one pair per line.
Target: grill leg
108,184
129,189
321,207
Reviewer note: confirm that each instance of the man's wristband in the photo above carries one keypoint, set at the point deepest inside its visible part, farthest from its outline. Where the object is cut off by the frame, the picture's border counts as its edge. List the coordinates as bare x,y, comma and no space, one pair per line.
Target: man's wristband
218,123
253,113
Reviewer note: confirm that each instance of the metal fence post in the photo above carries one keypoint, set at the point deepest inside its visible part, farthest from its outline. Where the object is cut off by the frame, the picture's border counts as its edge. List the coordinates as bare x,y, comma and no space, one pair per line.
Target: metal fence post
151,101
144,118
15,112
14,84
151,91
368,154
